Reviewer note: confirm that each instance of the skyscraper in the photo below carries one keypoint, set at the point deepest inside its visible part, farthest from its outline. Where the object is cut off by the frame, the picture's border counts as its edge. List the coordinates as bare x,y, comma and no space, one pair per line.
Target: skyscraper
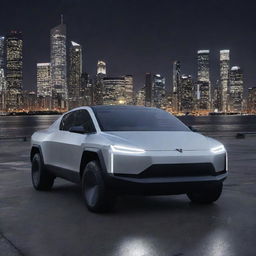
2,66
159,91
251,100
148,90
59,65
176,75
186,92
235,96
2,52
74,75
128,89
98,83
14,65
203,80
101,67
224,78
86,90
44,80
114,92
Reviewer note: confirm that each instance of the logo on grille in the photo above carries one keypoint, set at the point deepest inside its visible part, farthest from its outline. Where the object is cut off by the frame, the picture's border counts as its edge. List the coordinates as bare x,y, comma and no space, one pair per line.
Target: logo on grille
179,150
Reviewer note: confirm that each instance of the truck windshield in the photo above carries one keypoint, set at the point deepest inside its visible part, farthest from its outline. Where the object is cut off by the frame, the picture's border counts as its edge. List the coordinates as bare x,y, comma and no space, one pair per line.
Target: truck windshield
132,118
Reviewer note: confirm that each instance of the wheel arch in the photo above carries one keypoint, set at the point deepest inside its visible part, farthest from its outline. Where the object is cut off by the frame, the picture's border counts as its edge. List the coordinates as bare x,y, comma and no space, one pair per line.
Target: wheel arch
90,155
36,149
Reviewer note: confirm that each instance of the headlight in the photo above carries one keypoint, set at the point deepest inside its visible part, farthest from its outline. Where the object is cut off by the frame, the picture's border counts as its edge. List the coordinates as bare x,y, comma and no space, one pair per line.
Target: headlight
218,149
124,149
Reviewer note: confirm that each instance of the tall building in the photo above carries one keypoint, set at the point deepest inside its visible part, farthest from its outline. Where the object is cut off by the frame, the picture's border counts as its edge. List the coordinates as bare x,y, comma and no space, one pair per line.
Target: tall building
224,78
14,72
176,75
114,91
203,92
2,48
59,65
236,89
98,83
148,90
86,91
101,67
140,97
159,91
128,89
74,75
186,94
43,76
2,66
251,100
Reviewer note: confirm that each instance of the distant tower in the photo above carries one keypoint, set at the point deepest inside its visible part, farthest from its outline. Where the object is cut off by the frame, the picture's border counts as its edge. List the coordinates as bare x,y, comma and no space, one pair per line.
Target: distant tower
176,75
148,90
98,83
101,67
59,64
74,75
236,89
159,91
128,89
203,80
14,66
186,91
2,65
44,80
224,78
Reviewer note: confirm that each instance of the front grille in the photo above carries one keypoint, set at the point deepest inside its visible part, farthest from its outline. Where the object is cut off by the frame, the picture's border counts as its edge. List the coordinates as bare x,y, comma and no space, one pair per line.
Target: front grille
175,170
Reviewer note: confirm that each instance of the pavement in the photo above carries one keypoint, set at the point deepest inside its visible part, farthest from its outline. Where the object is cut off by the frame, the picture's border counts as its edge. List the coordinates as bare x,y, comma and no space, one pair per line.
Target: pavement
57,222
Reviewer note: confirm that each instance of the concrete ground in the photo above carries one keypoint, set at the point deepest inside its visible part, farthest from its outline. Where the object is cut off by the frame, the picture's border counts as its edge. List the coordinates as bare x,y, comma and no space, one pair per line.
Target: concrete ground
57,222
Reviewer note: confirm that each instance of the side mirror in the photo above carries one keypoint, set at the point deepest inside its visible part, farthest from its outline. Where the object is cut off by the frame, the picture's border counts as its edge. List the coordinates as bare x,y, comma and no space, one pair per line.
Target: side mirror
193,129
77,129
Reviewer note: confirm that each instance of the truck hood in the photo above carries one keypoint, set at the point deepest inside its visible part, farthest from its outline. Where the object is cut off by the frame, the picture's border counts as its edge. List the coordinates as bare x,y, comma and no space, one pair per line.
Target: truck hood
160,140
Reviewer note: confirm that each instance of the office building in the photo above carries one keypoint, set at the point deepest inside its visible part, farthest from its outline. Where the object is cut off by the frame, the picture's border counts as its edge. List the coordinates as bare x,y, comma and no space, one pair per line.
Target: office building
203,90
114,92
186,94
128,89
251,100
74,75
176,75
59,66
101,67
148,90
159,91
43,76
14,69
236,89
224,78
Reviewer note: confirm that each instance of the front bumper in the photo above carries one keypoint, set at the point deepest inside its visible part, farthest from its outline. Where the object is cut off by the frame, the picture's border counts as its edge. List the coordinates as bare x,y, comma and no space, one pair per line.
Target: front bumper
160,185
164,172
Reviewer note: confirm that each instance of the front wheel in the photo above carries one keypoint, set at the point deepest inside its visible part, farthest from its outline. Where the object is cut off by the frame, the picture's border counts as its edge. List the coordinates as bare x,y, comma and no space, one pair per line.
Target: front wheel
207,194
41,179
96,195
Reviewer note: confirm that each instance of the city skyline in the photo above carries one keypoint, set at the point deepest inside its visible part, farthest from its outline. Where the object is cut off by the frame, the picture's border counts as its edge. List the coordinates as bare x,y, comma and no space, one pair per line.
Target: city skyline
152,45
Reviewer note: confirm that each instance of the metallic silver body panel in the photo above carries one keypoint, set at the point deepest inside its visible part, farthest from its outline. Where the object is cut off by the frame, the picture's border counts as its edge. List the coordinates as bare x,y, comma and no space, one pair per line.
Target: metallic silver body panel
64,149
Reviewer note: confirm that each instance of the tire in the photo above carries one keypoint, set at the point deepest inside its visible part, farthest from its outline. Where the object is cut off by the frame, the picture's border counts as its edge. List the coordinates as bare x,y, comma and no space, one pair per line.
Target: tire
97,197
207,194
41,179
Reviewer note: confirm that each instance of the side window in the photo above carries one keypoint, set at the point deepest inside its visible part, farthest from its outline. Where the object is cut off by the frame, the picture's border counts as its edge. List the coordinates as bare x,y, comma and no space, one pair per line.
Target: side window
67,121
83,118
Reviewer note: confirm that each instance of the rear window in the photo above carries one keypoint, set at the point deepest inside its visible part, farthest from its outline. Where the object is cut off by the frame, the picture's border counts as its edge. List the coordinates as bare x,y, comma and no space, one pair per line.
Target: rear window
137,119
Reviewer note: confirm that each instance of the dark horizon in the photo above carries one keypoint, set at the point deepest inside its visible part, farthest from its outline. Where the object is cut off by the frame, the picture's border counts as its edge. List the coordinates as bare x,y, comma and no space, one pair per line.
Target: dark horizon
136,37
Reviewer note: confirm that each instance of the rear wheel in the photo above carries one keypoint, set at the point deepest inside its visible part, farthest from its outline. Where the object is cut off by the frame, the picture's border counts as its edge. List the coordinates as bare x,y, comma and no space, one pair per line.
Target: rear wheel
207,194
96,195
41,179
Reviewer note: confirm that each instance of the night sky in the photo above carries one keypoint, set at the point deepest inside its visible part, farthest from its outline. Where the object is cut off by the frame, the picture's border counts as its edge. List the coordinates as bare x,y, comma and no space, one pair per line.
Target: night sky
135,37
